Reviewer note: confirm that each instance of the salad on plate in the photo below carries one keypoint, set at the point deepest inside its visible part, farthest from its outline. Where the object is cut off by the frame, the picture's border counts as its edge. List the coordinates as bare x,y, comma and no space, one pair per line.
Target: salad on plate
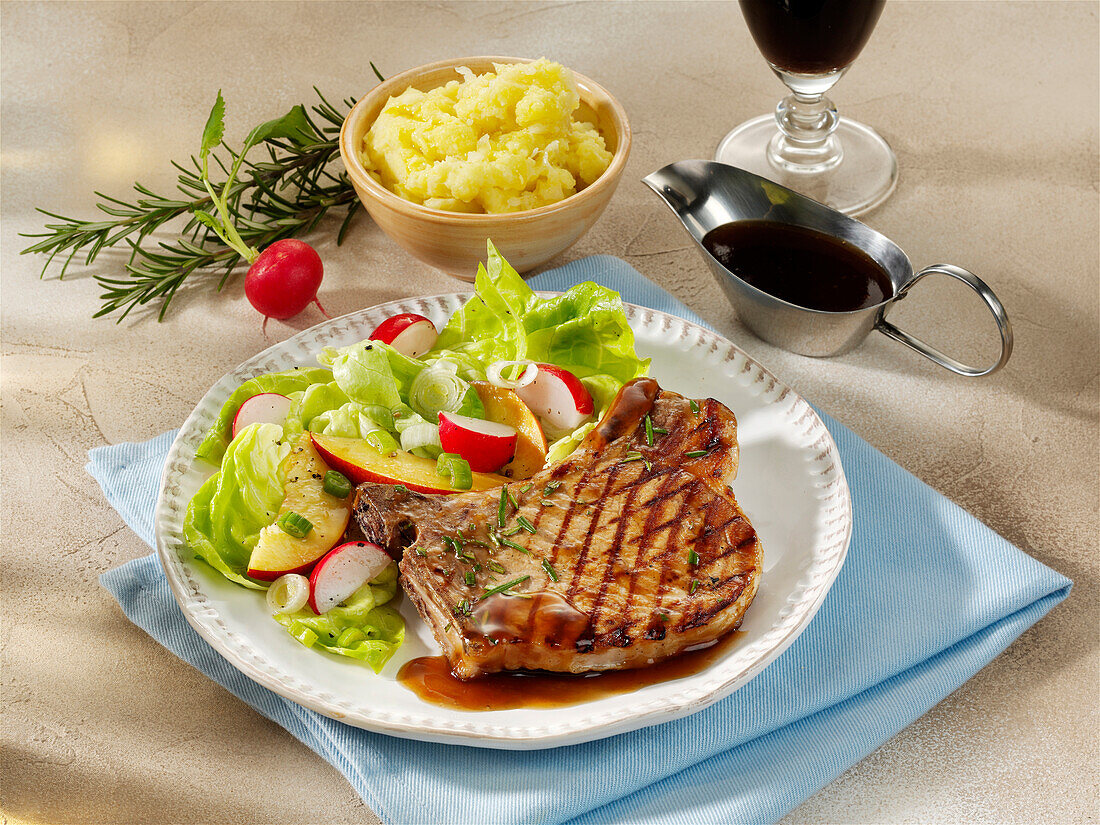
512,382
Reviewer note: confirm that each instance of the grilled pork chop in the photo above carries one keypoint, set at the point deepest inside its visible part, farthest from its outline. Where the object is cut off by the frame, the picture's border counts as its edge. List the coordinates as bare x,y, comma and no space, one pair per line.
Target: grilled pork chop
629,551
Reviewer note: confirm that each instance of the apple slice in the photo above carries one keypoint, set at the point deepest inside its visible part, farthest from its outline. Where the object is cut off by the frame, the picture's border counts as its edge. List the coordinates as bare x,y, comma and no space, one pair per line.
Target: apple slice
360,461
558,397
504,406
265,408
408,333
486,445
342,571
278,552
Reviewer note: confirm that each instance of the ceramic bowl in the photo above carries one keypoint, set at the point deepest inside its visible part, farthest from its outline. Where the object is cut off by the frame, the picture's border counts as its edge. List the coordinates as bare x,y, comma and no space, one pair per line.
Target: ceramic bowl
455,242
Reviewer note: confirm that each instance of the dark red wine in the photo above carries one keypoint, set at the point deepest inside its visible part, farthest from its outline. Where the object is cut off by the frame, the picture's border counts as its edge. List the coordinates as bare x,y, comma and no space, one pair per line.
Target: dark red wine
811,36
801,266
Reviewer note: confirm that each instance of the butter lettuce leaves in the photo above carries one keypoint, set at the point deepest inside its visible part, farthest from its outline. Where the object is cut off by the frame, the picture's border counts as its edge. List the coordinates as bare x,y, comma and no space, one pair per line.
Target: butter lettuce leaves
583,330
225,517
361,628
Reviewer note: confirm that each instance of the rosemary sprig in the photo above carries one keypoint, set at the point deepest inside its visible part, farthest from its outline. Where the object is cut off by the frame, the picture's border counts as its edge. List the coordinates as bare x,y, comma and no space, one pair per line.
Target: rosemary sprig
282,195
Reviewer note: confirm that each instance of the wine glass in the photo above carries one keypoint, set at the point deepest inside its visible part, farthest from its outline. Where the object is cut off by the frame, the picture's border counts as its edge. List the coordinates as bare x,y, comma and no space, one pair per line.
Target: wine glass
809,44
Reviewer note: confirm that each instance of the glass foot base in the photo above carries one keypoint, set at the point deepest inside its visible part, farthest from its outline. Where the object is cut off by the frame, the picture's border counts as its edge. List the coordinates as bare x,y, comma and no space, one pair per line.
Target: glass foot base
864,178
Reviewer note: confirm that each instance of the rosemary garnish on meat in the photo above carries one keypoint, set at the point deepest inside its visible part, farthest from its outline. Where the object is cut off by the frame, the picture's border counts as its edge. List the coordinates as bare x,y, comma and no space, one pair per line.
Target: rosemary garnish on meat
694,405
693,558
514,546
526,524
502,588
502,511
696,453
550,571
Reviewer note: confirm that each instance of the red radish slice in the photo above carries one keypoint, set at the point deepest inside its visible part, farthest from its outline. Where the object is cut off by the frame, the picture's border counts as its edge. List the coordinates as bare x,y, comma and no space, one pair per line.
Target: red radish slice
487,445
343,571
557,396
408,333
265,408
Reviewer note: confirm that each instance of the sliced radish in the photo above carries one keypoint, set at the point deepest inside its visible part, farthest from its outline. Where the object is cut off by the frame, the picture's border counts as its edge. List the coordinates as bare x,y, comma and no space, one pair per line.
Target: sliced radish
558,397
343,571
265,408
487,445
408,333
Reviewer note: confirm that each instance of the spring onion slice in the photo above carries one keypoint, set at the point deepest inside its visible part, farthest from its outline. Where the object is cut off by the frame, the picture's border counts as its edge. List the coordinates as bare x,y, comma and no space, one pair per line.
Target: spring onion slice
294,524
288,593
495,376
425,434
336,484
382,441
437,388
457,469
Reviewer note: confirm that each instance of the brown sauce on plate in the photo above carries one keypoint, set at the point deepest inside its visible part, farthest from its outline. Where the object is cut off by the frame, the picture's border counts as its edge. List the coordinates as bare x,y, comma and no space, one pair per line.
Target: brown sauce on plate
430,678
799,265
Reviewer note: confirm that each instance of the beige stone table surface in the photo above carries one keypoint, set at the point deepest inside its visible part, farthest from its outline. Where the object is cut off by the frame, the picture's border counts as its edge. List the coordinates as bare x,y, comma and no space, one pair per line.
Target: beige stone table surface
992,109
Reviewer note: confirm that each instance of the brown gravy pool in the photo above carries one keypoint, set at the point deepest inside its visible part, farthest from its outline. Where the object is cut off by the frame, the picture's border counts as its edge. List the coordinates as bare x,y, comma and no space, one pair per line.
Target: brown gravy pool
430,678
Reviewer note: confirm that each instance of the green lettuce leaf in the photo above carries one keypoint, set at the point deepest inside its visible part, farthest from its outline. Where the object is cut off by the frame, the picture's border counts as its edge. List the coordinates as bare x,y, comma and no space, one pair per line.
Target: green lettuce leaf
489,327
225,517
360,627
213,445
585,331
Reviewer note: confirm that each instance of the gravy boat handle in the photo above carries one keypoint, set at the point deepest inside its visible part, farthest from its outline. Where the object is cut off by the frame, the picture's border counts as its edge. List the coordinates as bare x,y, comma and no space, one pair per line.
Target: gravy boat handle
979,286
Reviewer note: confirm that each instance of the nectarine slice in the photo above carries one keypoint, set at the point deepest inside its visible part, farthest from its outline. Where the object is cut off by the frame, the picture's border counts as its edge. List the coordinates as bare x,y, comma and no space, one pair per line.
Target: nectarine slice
505,407
278,552
361,461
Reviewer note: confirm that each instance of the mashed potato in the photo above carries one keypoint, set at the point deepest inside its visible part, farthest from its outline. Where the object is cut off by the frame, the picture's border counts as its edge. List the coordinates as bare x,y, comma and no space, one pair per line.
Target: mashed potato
502,141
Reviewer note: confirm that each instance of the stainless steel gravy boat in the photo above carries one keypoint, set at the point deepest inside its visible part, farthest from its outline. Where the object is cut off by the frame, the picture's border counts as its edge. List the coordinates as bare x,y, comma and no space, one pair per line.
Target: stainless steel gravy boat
704,195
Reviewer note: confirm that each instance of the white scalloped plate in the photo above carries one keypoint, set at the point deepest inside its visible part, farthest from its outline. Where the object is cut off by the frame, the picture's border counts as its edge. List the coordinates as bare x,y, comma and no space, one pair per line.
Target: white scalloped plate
790,484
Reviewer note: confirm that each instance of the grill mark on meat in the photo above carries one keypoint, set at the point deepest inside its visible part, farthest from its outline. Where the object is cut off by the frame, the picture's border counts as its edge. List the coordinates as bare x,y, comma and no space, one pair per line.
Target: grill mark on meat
593,523
649,532
701,616
567,518
658,627
613,556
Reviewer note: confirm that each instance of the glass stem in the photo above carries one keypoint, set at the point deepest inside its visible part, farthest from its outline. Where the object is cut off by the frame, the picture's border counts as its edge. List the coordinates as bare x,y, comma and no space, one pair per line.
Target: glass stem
806,141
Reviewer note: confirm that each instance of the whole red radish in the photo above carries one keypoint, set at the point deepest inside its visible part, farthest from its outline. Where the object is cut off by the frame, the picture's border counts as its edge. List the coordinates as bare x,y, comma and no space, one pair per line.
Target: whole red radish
284,279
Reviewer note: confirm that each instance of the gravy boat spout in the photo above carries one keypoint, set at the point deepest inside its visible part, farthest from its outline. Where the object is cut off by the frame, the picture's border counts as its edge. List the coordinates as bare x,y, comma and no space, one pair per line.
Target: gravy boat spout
705,195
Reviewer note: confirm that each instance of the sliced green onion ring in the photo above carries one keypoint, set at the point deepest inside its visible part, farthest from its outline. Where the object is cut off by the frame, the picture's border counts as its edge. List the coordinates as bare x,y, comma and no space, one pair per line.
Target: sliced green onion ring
336,484
420,435
494,375
457,469
382,441
294,524
288,593
437,388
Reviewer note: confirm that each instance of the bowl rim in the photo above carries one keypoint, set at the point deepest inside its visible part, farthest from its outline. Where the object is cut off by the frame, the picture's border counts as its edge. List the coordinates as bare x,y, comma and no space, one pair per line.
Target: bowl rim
399,82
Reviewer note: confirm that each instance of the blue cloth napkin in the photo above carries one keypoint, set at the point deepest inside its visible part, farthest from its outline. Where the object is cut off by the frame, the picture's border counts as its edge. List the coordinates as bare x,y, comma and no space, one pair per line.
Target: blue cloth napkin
928,595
